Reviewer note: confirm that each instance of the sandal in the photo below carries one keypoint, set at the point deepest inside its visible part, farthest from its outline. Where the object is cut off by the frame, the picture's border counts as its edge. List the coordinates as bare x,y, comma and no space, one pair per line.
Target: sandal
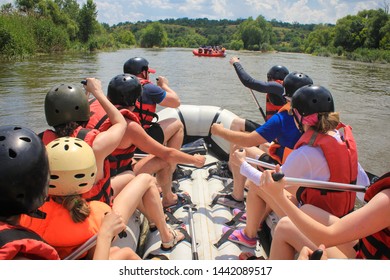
182,199
152,227
238,236
249,256
167,246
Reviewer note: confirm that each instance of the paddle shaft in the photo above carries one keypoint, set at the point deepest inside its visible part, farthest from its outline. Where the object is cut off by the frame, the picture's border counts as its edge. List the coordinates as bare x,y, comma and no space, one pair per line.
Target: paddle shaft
258,105
87,245
83,248
307,182
192,233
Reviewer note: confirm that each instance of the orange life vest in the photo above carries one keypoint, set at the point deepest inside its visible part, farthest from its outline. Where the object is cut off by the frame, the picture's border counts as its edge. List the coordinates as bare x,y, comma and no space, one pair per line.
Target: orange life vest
120,159
59,230
343,165
377,245
273,148
18,241
270,108
101,190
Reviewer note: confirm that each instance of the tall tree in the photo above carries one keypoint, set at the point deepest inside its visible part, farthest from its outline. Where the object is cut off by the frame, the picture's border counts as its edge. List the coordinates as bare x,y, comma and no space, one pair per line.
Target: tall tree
154,35
88,24
374,21
349,33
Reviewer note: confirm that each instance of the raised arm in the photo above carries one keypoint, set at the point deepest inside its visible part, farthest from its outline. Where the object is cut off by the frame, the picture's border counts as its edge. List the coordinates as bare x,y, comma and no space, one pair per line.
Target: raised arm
107,141
171,99
275,90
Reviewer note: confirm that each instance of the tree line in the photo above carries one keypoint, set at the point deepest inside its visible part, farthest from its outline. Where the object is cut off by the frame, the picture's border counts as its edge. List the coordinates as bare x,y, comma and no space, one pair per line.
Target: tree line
28,27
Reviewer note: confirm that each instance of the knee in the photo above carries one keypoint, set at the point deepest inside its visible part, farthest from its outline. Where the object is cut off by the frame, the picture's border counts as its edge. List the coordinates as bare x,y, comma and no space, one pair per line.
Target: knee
147,179
236,124
284,226
179,125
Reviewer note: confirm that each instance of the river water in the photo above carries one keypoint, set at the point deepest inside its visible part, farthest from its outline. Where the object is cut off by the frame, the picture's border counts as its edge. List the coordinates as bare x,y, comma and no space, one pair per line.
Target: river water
361,90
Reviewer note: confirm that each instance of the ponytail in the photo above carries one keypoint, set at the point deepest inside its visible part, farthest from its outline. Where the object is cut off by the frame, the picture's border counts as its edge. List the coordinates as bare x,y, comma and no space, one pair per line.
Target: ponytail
327,121
78,207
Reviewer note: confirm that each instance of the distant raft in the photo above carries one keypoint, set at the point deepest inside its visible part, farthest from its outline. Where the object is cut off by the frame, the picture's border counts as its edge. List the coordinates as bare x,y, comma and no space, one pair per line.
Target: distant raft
209,52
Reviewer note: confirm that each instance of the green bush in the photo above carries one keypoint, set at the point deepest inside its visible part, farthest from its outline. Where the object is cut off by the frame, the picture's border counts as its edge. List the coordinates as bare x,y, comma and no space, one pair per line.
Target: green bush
18,32
50,37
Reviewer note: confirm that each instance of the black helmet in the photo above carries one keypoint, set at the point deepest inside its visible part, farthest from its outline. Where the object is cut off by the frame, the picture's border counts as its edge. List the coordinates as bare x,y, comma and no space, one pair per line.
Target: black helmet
66,103
24,172
294,81
124,90
137,65
312,99
277,72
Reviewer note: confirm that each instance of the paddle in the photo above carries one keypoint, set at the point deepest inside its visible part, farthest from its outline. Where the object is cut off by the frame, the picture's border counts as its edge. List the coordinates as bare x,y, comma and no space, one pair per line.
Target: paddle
258,105
82,249
87,245
192,231
309,183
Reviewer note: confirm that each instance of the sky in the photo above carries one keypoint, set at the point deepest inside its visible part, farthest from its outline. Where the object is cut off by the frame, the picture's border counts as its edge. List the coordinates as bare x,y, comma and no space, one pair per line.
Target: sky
301,11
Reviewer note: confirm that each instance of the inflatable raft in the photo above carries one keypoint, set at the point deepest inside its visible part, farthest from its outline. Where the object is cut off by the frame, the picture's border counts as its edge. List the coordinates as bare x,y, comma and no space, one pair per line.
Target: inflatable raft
203,220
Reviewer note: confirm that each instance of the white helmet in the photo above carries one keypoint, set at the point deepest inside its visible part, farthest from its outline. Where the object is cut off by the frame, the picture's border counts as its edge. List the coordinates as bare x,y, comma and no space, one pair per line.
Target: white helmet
72,166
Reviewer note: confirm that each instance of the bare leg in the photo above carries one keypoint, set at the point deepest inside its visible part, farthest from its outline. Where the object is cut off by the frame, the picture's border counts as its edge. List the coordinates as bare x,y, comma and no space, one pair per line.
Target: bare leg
255,211
173,132
123,254
163,171
288,239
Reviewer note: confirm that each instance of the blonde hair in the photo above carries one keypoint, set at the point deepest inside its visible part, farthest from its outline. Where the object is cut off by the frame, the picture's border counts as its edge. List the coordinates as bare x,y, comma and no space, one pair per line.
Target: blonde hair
78,207
327,121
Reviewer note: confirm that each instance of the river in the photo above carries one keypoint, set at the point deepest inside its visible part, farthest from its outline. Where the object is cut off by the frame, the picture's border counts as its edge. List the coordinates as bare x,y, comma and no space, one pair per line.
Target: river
361,90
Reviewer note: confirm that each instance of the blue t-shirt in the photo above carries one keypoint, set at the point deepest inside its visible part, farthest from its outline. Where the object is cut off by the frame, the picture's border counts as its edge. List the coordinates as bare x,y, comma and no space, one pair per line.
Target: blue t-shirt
280,126
152,94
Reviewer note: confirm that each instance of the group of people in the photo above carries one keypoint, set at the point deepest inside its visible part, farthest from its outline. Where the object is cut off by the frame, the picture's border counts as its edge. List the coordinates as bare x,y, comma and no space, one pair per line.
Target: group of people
80,180
304,138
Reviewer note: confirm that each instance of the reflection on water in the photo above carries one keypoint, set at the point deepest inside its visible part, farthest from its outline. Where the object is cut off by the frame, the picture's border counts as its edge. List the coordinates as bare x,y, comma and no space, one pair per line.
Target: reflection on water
361,90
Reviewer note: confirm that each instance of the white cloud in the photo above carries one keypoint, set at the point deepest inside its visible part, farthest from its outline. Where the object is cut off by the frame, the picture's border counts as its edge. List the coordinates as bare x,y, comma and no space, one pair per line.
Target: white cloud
302,11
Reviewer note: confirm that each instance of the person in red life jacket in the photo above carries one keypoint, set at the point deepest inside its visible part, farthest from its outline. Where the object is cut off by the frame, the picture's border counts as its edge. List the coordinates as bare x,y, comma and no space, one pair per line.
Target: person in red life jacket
169,132
325,152
24,178
275,100
71,220
123,91
273,88
362,234
280,129
67,110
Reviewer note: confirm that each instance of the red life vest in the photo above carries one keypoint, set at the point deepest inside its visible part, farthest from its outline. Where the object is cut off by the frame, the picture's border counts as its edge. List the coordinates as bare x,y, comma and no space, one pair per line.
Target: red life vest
270,108
101,190
120,159
60,231
343,165
273,148
377,245
145,112
18,241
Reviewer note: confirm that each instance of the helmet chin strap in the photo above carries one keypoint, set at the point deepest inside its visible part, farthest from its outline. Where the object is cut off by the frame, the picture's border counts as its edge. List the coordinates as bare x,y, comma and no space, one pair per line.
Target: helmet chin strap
299,122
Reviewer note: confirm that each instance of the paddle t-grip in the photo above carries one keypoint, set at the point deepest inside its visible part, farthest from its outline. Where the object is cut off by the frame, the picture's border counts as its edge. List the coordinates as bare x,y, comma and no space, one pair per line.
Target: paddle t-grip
316,255
277,176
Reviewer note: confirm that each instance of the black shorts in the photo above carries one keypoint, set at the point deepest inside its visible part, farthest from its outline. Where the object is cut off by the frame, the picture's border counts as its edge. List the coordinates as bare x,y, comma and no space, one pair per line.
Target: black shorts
251,125
267,158
155,131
